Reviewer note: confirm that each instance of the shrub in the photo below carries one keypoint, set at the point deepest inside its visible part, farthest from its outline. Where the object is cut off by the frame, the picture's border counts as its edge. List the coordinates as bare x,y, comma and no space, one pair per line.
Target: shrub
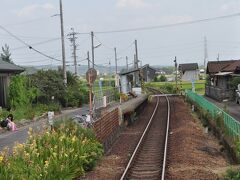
66,153
232,174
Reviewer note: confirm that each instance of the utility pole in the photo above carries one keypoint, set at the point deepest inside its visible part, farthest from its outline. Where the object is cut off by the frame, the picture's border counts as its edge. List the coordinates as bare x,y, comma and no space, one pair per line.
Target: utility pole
90,89
73,41
218,57
115,54
92,36
127,63
116,68
88,60
136,54
63,45
109,73
175,63
136,63
205,52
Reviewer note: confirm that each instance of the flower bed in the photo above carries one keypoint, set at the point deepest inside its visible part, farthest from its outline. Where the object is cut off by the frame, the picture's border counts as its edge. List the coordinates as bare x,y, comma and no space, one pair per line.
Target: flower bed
65,153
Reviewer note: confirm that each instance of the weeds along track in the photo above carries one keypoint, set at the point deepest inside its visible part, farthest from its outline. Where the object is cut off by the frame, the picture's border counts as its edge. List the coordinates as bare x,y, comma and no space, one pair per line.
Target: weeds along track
149,157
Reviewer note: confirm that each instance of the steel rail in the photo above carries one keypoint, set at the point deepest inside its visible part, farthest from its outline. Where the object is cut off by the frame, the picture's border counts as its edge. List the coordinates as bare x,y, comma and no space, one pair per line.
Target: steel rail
140,141
166,140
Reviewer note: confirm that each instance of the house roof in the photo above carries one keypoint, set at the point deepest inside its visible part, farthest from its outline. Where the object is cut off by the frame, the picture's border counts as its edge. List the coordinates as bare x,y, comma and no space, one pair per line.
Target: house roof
214,67
6,67
188,67
148,66
129,71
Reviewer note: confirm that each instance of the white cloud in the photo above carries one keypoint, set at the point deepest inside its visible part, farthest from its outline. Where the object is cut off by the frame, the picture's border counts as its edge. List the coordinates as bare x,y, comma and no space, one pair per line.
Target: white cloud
132,4
175,19
230,7
34,8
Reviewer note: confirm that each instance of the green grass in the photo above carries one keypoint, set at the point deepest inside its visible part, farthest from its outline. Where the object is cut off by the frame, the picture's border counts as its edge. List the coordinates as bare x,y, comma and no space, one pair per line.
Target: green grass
199,85
29,112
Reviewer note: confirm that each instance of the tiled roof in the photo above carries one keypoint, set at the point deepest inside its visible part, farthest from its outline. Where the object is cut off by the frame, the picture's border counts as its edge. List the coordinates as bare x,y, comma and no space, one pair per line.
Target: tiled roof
188,66
222,66
6,67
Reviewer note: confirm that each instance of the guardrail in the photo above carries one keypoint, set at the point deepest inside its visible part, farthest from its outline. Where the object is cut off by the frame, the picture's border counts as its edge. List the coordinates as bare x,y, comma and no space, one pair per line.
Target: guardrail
232,125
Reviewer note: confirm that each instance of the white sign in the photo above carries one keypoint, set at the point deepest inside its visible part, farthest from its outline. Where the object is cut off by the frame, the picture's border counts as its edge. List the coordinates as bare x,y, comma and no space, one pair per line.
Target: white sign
50,117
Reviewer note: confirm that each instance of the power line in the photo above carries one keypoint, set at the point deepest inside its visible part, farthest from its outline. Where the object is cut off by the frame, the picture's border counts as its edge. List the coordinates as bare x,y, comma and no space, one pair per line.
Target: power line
26,44
165,26
38,43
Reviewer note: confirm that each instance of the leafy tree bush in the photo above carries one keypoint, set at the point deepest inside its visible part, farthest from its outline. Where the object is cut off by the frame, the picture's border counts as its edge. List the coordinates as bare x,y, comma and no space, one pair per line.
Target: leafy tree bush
6,55
162,78
50,84
20,94
234,82
66,153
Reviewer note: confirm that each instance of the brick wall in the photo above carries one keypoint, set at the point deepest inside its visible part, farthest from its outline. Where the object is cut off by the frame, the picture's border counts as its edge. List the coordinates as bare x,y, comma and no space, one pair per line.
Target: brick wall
107,128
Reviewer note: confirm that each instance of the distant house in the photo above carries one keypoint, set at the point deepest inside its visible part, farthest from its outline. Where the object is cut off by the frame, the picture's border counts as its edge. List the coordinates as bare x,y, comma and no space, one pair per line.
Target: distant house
189,72
148,73
220,74
6,70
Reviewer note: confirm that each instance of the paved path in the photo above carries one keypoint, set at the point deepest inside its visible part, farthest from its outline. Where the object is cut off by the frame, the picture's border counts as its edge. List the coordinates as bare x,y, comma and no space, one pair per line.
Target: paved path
232,107
8,139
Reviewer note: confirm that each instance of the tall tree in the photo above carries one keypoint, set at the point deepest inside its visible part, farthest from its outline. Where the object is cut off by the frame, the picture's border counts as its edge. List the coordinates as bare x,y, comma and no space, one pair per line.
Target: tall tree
6,55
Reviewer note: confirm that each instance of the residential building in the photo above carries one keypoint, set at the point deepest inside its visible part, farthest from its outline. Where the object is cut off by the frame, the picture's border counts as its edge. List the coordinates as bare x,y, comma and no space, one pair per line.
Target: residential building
189,72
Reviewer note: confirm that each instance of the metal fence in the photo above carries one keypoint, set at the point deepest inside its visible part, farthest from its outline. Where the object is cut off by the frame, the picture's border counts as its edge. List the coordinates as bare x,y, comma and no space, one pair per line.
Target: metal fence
231,124
98,98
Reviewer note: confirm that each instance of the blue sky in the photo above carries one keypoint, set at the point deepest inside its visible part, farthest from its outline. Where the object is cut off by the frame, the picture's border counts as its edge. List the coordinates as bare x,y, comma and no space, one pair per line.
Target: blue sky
32,22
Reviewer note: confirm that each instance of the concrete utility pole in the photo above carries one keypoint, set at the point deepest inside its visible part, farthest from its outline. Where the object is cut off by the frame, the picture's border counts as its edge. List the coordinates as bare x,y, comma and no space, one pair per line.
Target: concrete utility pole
127,63
205,52
136,53
115,54
175,63
92,35
88,60
63,45
73,41
136,63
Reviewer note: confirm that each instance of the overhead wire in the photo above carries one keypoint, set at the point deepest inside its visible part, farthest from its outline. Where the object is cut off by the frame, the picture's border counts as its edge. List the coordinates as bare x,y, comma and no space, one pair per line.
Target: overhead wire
164,26
26,44
38,43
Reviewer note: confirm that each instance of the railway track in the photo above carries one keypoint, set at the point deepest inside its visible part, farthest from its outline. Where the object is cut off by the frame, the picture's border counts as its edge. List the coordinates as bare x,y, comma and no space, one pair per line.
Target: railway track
148,160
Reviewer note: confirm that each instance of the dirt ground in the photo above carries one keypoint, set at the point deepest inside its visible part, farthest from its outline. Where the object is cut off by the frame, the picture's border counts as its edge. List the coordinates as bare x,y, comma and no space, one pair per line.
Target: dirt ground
192,153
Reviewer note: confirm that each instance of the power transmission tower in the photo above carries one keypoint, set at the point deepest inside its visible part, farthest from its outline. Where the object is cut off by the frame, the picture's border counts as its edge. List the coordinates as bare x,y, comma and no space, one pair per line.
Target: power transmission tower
205,52
63,45
74,45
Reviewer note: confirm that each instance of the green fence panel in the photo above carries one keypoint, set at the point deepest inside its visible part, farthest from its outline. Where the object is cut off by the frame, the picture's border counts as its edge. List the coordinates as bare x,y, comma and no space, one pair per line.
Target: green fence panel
232,125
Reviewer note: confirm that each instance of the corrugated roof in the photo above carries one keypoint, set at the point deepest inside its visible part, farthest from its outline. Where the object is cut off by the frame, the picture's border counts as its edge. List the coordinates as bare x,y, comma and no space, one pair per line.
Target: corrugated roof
188,66
233,66
6,67
222,66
